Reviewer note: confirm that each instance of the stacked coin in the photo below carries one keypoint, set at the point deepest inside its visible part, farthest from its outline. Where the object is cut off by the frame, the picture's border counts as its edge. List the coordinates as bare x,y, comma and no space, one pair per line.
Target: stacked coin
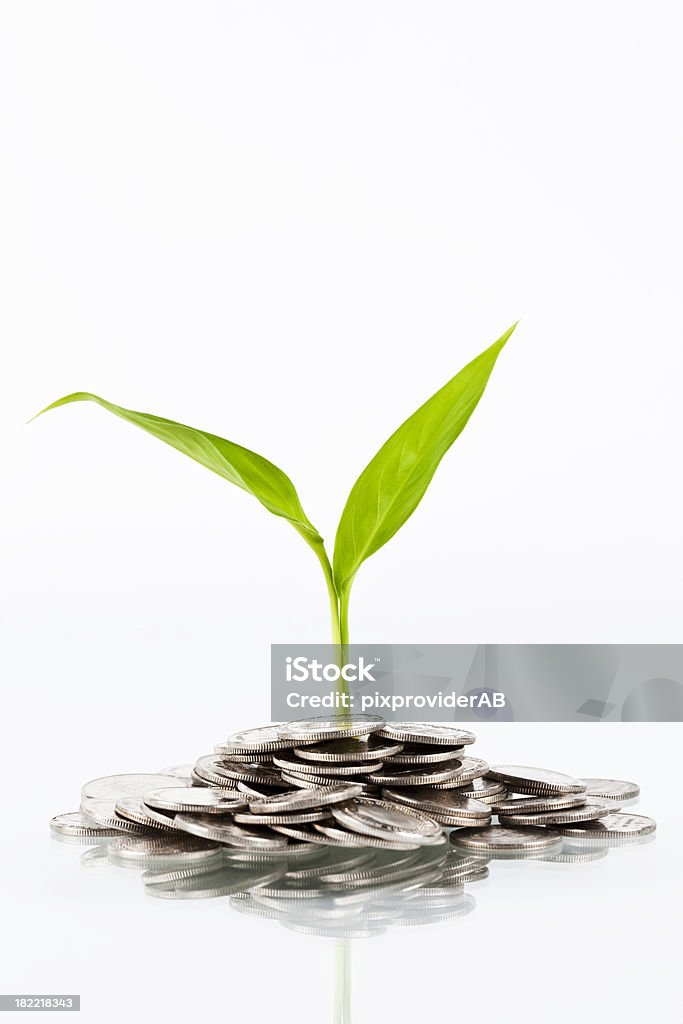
356,783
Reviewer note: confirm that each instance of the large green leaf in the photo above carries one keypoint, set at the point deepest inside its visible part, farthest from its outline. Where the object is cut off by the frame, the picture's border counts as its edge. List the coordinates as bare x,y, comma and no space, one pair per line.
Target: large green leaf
391,486
241,467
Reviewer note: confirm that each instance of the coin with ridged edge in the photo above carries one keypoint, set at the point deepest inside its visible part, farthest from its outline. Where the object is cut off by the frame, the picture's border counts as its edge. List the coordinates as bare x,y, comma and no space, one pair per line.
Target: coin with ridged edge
199,801
486,790
471,768
214,766
258,792
611,789
293,818
345,838
302,799
524,779
103,812
503,838
537,804
327,782
387,820
257,741
590,811
252,757
301,767
355,749
75,823
442,734
304,834
405,775
145,850
315,730
446,806
133,809
613,824
224,830
419,753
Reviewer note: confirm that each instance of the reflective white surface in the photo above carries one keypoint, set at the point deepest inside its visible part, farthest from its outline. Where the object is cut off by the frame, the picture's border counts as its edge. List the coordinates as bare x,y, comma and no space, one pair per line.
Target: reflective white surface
541,935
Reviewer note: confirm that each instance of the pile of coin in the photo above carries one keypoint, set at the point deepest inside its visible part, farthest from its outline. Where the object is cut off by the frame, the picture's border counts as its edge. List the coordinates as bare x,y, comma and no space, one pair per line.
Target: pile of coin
357,783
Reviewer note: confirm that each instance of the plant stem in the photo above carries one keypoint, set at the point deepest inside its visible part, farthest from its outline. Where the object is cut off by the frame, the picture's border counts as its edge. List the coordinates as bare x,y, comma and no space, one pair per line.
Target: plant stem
339,638
344,614
321,555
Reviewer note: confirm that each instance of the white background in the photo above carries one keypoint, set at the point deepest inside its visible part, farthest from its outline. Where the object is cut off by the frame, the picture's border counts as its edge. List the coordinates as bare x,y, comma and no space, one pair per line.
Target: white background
289,223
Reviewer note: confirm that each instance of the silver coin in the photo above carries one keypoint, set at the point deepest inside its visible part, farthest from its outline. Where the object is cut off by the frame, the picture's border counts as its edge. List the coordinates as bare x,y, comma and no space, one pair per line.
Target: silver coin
253,757
200,801
404,775
210,826
257,792
143,851
199,780
613,824
261,740
523,779
354,749
115,787
315,730
133,809
103,812
590,811
178,771
446,806
418,753
302,800
344,838
386,820
501,837
300,818
486,790
164,818
611,789
77,824
212,766
326,782
304,834
537,804
309,781
471,768
301,767
438,733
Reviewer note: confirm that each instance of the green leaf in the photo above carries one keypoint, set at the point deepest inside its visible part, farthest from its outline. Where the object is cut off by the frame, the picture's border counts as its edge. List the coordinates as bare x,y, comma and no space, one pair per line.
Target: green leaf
391,486
241,467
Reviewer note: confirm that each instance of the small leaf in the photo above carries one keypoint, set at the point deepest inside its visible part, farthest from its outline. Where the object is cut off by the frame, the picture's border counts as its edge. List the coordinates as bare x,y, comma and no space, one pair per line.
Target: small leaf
391,486
241,467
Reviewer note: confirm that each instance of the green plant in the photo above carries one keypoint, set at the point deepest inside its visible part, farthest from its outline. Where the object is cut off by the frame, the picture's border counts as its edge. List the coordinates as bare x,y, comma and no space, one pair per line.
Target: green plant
383,497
